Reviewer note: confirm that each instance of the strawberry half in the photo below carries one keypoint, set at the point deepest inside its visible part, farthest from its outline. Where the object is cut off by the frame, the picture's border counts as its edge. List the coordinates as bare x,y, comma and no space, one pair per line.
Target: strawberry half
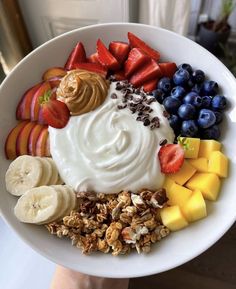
119,50
54,112
135,60
150,85
93,67
105,57
93,58
148,72
171,157
137,42
168,68
77,55
120,75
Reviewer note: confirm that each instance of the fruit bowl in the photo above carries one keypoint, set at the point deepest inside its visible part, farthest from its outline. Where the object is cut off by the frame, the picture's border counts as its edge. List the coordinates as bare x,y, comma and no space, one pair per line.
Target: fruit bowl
180,246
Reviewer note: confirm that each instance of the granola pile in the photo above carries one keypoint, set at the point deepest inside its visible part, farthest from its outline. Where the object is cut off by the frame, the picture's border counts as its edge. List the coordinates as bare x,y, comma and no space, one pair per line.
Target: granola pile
114,223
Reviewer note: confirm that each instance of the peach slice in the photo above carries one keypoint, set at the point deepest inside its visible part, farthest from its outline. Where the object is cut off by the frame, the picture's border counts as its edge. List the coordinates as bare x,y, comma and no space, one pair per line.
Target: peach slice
23,138
47,151
35,105
54,72
41,143
33,138
10,144
23,108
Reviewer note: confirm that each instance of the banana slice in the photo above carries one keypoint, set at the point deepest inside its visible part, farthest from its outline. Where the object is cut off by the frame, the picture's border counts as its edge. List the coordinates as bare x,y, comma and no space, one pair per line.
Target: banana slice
72,196
60,180
47,171
38,205
24,173
54,176
66,201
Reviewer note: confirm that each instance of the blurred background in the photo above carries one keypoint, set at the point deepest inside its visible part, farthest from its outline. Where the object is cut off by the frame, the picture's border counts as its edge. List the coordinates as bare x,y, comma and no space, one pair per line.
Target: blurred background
26,24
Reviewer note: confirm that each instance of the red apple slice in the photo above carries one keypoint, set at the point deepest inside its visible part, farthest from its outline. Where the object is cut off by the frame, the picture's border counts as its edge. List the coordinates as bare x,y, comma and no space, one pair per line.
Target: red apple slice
33,138
23,108
53,72
41,143
35,105
23,138
10,144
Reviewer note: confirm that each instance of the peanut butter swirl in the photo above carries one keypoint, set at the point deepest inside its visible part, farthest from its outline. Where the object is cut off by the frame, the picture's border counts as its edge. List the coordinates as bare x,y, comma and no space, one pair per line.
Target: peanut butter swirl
82,91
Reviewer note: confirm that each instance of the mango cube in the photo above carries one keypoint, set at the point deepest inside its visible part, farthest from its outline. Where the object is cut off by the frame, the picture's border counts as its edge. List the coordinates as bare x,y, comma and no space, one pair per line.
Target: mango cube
207,183
167,184
178,195
173,218
184,174
208,146
195,208
200,164
218,164
192,149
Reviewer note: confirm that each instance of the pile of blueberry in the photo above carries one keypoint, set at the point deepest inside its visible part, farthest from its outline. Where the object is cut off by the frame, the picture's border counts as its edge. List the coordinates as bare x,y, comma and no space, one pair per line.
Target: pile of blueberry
195,107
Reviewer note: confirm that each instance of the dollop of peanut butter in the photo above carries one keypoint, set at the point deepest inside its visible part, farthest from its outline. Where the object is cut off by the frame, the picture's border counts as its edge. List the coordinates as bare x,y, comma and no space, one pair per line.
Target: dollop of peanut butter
82,91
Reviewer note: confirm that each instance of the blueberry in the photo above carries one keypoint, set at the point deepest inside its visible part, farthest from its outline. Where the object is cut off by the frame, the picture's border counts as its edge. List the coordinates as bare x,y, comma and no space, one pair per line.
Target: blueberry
178,92
164,84
198,76
190,84
197,88
210,87
159,95
206,118
187,111
189,128
212,132
186,66
219,116
181,77
175,122
171,104
219,102
193,99
206,101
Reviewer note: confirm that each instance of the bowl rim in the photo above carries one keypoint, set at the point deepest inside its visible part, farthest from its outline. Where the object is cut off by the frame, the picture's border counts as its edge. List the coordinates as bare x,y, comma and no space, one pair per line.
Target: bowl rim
150,271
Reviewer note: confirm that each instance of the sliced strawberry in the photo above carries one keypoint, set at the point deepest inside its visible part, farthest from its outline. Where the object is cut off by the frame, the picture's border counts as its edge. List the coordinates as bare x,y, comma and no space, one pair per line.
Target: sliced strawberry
168,68
119,50
105,57
93,67
77,55
171,157
148,72
54,112
137,42
93,58
150,85
135,60
120,75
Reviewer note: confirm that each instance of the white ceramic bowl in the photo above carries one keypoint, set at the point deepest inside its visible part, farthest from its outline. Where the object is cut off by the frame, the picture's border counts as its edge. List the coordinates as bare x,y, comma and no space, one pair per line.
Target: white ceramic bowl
180,246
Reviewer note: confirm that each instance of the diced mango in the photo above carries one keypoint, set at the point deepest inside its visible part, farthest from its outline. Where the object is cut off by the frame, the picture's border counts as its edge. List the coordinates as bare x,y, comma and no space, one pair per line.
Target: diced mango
167,184
178,195
207,183
173,218
208,146
218,164
184,174
200,164
192,148
195,208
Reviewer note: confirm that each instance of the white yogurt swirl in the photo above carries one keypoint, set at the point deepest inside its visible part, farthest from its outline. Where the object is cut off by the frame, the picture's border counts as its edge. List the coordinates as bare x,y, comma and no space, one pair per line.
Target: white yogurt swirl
107,150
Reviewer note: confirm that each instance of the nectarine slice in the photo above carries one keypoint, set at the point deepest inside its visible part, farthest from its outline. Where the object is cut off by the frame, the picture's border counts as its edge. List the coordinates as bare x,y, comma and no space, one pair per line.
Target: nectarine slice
41,143
53,72
33,138
23,138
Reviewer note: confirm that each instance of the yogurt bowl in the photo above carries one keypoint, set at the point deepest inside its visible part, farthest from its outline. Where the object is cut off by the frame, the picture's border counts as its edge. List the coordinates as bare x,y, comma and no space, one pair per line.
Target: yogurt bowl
180,246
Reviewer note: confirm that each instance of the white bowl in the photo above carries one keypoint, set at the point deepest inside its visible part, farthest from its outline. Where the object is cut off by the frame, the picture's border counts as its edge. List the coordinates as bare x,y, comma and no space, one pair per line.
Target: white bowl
180,246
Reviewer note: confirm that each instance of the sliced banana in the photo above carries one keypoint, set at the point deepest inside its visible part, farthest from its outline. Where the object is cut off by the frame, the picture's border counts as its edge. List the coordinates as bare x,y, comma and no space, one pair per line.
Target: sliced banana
38,205
73,197
60,180
66,202
54,176
47,171
24,173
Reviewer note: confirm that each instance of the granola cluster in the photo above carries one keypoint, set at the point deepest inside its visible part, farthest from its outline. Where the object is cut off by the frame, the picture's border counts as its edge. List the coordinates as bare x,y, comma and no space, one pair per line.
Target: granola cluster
114,223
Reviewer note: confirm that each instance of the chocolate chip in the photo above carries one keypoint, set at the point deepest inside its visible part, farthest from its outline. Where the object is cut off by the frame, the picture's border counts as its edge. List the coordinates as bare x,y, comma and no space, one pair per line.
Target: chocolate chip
139,118
133,110
165,113
119,86
113,95
150,100
140,113
124,100
163,142
121,106
146,122
155,119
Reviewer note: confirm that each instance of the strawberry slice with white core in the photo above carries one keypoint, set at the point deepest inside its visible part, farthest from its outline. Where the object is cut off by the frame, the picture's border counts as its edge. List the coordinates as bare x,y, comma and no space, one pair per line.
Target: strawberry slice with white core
119,50
137,42
171,157
105,57
135,60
